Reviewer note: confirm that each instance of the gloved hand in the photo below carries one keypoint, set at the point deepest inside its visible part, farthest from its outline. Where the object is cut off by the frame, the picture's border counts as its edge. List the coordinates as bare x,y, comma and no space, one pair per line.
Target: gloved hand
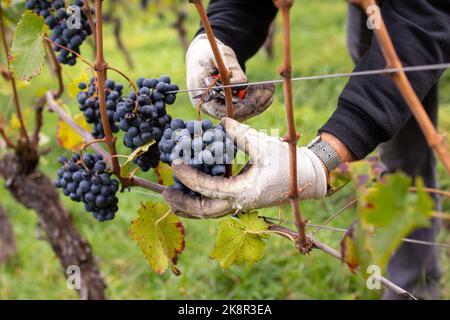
200,64
263,183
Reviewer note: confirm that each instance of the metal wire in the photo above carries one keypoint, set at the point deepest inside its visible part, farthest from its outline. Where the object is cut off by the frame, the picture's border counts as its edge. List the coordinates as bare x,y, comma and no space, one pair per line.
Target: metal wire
421,242
438,66
335,215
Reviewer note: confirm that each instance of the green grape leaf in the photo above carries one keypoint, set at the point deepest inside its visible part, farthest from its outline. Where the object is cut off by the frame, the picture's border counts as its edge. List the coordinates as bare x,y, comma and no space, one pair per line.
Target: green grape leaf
160,235
240,240
125,168
388,212
28,50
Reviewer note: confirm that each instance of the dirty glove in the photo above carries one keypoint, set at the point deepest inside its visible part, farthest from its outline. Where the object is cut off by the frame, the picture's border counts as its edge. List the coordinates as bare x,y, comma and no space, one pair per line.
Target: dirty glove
263,183
200,64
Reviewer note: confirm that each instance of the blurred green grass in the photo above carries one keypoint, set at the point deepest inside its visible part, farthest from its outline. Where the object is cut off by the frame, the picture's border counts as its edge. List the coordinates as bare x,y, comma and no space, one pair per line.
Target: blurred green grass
318,35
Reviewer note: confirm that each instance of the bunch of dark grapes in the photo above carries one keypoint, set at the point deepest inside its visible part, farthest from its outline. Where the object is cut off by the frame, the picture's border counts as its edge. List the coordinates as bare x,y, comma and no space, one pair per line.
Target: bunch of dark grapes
143,117
70,25
87,181
89,104
199,144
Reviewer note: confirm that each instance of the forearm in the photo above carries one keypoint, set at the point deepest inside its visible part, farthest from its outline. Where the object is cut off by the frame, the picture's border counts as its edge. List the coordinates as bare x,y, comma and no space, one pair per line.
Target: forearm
371,109
241,24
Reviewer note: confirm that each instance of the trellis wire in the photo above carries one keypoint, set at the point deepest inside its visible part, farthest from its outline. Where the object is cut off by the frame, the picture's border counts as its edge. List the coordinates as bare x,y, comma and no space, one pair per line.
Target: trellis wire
427,67
335,215
421,242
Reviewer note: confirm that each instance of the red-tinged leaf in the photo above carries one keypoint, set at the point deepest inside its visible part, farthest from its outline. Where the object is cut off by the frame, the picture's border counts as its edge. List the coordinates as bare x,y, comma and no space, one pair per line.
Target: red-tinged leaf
164,174
349,250
160,235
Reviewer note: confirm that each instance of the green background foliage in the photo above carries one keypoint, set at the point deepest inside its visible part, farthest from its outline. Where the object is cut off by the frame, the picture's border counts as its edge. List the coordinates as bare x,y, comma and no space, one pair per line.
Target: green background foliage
318,35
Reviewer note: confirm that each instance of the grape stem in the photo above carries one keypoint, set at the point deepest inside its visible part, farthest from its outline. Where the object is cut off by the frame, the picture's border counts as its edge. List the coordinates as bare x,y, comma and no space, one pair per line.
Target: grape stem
71,51
202,98
84,148
434,138
131,82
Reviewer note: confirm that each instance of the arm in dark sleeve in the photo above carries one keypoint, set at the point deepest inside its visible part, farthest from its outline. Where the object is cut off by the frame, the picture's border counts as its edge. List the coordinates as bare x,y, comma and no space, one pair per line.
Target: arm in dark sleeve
241,24
371,110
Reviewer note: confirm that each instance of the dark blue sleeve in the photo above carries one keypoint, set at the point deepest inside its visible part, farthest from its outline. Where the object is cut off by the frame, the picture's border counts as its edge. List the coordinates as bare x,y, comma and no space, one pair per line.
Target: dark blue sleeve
241,24
370,109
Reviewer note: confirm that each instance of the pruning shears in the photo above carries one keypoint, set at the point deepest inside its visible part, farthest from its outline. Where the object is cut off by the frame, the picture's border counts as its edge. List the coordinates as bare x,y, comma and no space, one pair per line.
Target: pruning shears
217,92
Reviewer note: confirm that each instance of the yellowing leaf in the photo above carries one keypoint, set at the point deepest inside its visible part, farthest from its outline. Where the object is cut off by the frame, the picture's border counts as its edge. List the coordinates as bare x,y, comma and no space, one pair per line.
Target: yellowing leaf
159,234
349,250
67,137
73,86
28,50
125,168
6,90
164,173
240,240
14,122
6,3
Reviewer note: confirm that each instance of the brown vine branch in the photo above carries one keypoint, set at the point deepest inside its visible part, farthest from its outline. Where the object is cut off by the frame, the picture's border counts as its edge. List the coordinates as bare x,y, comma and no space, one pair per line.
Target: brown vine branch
23,130
87,138
289,234
223,72
7,140
303,242
435,140
33,189
101,68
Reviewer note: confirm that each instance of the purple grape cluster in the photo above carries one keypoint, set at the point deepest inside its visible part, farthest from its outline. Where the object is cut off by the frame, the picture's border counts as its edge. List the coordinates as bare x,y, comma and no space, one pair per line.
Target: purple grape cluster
88,181
199,144
70,25
143,117
89,104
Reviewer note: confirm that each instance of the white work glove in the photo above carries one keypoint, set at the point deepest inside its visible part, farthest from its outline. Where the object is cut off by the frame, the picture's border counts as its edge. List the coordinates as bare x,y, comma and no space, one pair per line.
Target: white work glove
200,64
263,183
